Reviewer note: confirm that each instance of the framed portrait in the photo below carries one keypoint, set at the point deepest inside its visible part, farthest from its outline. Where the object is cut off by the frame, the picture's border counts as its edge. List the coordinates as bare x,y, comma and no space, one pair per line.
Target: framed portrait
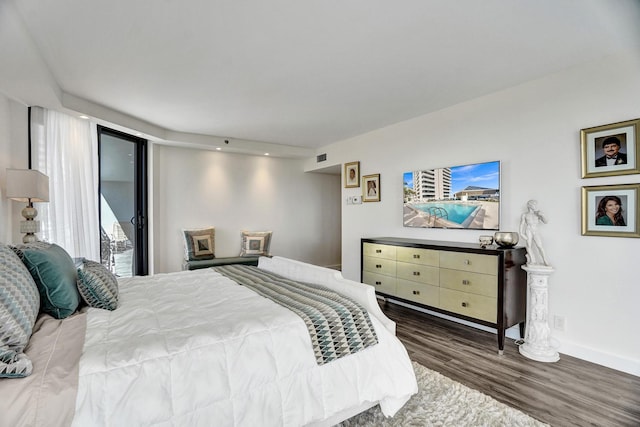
610,149
371,188
611,210
352,175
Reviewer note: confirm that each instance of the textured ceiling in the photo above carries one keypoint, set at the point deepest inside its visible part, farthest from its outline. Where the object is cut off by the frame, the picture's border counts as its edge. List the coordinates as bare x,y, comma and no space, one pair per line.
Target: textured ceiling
309,73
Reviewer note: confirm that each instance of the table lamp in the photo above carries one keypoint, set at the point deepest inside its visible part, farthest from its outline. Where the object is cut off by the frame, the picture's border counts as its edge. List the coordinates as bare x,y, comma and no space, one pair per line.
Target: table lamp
28,185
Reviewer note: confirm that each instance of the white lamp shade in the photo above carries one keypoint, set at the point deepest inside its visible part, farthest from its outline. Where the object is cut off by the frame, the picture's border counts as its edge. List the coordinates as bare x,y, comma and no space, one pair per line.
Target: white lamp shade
26,185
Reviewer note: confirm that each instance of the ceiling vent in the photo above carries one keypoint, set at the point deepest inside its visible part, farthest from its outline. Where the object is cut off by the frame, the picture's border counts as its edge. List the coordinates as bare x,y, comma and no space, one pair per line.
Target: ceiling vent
321,158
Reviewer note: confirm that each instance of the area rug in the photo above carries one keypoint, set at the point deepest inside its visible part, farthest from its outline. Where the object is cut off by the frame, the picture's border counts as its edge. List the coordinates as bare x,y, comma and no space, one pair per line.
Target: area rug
441,401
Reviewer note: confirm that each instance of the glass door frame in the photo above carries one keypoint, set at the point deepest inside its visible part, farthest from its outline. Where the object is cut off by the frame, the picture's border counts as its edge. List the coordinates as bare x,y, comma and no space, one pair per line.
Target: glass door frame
140,222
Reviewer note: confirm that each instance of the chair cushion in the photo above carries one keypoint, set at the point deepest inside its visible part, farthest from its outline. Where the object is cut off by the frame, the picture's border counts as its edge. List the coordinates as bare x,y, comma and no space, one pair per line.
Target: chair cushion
195,265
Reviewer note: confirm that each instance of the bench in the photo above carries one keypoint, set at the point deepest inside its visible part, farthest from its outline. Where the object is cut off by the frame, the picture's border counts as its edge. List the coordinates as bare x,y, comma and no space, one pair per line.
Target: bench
216,262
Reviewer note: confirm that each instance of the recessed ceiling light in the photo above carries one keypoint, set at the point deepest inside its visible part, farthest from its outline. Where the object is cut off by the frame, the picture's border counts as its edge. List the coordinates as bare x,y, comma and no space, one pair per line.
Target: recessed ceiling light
266,154
218,148
84,117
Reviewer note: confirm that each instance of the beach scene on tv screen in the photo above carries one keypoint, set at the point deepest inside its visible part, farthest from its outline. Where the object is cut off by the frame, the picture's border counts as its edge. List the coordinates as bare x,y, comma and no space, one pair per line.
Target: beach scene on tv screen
464,197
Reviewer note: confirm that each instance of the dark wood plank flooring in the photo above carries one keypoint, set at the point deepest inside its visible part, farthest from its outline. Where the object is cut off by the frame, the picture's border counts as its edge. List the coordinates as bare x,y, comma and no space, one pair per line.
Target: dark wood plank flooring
570,392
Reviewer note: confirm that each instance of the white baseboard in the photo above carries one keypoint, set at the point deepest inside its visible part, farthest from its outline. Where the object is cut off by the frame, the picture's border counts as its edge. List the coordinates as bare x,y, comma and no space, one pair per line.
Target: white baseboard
619,363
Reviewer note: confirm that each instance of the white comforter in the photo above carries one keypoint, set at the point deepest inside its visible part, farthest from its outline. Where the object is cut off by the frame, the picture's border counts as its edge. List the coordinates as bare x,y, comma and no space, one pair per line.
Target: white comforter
195,349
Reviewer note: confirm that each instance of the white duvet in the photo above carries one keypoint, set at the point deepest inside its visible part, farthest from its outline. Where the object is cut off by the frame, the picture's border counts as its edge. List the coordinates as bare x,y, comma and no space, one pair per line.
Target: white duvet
195,349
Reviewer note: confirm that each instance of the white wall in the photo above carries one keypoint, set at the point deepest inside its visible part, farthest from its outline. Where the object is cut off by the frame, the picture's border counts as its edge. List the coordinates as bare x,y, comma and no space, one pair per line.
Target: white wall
533,129
196,188
13,154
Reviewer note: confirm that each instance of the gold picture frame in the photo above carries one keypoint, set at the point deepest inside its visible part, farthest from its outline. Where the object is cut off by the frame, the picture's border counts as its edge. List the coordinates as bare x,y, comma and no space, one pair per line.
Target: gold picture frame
600,217
371,188
593,141
352,175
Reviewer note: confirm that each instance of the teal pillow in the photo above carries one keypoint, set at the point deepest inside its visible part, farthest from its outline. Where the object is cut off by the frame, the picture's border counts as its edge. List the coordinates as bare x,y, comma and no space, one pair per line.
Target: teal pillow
55,274
97,285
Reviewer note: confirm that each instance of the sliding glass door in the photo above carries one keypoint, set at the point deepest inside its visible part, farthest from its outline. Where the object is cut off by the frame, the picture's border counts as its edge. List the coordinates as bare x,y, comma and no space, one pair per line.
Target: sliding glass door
123,202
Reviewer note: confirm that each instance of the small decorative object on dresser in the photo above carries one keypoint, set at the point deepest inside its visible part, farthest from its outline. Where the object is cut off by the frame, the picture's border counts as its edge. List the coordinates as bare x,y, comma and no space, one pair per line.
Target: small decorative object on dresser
484,286
506,239
485,241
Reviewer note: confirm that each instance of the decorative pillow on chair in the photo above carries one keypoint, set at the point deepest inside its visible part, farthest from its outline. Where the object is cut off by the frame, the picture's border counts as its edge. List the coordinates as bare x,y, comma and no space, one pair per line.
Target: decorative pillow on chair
199,244
54,272
255,243
19,305
97,285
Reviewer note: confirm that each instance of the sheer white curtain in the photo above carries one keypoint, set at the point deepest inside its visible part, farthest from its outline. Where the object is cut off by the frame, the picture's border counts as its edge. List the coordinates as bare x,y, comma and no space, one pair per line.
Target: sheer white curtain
65,148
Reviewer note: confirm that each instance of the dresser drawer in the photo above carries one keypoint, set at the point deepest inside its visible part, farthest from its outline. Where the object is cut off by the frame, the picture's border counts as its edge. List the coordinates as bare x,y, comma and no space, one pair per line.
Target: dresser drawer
418,256
464,281
381,283
379,251
418,273
487,264
380,266
471,305
418,292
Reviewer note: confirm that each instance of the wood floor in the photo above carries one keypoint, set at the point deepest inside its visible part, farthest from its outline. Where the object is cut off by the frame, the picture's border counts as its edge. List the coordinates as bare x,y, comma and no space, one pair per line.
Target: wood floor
570,392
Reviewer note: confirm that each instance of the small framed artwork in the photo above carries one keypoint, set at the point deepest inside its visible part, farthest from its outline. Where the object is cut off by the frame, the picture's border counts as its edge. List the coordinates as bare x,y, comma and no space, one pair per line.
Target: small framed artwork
610,149
611,210
371,188
352,175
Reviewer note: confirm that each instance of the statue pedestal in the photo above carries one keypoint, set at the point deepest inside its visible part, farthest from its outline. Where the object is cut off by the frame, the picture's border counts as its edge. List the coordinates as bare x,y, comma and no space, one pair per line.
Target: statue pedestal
537,332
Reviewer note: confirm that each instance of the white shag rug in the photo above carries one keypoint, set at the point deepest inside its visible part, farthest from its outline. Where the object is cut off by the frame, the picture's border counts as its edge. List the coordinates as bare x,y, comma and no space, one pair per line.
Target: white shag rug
441,401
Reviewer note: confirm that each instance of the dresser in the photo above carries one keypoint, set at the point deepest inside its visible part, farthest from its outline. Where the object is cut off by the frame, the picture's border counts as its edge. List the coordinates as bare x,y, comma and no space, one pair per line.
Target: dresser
483,286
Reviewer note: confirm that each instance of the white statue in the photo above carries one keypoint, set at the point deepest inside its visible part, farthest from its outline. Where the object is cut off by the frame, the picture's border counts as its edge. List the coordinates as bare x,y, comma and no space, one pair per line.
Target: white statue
529,232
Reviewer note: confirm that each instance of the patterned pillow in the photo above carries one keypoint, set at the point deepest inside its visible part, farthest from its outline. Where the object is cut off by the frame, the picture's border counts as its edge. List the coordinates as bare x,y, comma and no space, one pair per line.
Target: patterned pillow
97,285
255,243
199,244
19,304
55,275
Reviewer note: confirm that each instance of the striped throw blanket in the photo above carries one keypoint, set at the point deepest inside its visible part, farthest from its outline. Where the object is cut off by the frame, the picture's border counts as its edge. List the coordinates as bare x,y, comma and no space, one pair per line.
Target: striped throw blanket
338,326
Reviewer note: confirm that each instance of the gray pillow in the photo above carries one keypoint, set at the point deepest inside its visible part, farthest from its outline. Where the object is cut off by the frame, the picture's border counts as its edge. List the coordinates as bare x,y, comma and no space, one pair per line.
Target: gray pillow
97,285
255,243
54,272
199,244
19,304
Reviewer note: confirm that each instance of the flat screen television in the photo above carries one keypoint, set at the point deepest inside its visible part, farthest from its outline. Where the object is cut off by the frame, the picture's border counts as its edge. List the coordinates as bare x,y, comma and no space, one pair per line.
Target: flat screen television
457,197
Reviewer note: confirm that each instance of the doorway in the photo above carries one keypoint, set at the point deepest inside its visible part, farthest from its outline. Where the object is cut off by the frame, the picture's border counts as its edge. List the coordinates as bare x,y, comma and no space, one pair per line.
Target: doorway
123,202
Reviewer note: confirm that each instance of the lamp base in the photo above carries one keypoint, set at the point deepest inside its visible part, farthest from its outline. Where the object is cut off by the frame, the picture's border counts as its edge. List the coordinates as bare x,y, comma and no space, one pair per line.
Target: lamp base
29,238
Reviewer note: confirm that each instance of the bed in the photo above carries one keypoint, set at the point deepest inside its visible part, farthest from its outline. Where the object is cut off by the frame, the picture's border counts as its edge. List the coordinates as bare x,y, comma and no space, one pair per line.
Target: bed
194,348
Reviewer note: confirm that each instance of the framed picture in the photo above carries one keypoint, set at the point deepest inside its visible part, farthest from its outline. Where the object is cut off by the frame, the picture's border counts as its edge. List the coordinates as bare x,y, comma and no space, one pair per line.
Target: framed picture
610,149
371,188
611,210
352,175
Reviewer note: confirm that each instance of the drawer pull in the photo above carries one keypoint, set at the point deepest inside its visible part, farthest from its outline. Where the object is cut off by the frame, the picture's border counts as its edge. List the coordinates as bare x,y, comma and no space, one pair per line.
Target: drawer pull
378,266
466,282
465,304
416,256
416,273
378,283
416,292
378,251
467,262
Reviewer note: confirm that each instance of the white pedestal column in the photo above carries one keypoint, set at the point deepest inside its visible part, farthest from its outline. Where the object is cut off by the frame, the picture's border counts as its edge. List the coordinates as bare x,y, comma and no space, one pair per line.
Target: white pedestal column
537,332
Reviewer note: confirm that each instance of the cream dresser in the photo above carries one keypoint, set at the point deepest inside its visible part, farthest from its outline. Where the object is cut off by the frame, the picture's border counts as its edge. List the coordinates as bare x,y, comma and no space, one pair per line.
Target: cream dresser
484,286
